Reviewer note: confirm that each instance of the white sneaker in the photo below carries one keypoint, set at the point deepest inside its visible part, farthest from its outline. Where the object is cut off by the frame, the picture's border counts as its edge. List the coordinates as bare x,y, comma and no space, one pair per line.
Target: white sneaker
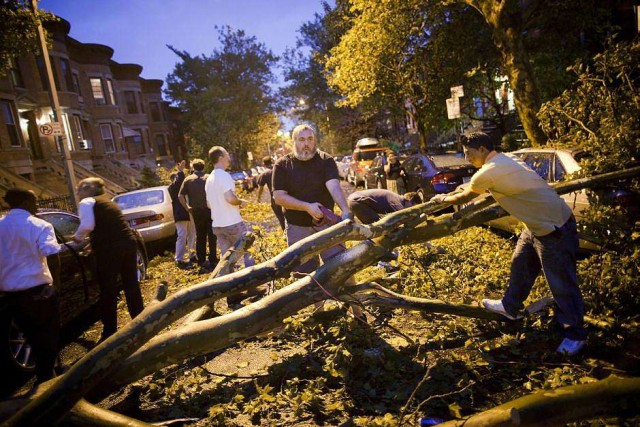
570,347
495,306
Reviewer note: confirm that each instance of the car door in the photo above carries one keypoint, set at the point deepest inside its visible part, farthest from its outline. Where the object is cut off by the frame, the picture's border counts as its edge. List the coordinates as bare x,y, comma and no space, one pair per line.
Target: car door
77,289
426,170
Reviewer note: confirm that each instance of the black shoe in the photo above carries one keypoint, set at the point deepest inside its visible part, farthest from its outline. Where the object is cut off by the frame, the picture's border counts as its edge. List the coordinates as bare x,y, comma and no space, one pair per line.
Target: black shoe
184,265
193,259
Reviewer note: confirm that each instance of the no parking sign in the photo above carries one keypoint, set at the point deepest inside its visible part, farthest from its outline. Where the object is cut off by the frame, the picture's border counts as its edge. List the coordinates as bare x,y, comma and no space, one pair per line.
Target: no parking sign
50,129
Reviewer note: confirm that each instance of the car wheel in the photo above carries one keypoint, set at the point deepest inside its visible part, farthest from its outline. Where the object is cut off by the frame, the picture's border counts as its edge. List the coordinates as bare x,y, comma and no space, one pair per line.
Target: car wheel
16,349
141,264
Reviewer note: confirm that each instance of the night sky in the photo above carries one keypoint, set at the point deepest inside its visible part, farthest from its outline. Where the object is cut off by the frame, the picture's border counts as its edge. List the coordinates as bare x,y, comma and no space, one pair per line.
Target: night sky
139,31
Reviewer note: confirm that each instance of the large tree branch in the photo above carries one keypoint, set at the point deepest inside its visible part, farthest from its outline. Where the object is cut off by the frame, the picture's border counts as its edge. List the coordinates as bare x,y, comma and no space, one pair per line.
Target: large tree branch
106,360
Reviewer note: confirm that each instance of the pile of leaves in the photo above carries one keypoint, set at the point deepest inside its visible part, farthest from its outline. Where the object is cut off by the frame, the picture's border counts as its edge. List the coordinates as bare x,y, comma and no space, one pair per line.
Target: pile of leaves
328,369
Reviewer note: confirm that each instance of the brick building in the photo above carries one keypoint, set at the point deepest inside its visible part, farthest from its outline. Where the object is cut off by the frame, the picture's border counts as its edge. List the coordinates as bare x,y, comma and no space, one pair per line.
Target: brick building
115,121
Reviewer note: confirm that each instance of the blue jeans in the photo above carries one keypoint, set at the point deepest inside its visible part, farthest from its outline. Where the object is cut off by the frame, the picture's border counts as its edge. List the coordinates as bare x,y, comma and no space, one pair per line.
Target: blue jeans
555,255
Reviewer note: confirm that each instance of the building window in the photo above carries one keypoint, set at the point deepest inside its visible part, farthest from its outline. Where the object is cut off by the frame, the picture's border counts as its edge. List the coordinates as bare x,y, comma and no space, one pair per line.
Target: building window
67,131
107,138
161,143
66,73
42,71
112,95
96,89
156,113
130,99
10,123
15,74
75,83
79,133
87,140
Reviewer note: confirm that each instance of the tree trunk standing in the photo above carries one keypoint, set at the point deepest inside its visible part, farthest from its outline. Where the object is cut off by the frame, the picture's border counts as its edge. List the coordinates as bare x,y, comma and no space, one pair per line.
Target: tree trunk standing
506,21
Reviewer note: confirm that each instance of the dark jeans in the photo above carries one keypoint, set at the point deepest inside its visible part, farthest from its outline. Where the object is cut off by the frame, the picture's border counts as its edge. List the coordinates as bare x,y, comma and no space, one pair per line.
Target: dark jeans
555,255
37,313
363,210
202,223
111,262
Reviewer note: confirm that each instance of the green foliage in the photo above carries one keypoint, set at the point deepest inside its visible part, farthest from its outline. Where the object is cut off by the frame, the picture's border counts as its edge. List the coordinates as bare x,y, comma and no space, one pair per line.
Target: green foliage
600,113
148,178
226,96
330,370
19,30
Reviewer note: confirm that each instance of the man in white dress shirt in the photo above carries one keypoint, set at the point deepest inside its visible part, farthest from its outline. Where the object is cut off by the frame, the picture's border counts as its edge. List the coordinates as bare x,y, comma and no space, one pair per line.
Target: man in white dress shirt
29,256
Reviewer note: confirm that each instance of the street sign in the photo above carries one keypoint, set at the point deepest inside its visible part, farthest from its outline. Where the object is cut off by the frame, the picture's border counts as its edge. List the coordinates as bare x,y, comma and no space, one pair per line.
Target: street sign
50,129
453,108
457,92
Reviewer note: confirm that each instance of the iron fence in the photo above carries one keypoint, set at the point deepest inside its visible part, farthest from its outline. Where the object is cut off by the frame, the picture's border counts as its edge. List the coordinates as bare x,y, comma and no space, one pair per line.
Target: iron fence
60,202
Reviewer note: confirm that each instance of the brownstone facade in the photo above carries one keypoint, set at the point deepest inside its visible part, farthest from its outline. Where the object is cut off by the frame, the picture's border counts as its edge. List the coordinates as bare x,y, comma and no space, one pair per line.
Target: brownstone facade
115,121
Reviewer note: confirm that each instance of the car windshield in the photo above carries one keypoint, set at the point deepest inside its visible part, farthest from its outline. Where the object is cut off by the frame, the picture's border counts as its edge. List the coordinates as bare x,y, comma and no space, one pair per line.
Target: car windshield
135,200
368,155
238,176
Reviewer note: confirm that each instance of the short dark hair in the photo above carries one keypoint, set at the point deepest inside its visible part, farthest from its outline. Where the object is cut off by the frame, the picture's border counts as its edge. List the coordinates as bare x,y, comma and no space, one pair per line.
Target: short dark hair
476,140
413,197
267,161
17,197
215,153
197,165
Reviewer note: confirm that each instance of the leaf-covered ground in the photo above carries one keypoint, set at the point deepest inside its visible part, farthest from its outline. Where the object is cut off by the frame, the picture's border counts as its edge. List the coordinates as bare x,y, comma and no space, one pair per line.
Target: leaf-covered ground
328,369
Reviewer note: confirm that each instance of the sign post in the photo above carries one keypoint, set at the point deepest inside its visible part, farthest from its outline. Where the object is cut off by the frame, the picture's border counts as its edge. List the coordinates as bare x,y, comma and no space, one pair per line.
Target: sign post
453,110
55,128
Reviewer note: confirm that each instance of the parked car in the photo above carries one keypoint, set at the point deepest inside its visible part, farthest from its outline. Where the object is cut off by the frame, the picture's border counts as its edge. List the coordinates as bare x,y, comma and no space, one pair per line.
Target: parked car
430,175
375,176
77,291
243,180
343,166
149,212
554,165
366,150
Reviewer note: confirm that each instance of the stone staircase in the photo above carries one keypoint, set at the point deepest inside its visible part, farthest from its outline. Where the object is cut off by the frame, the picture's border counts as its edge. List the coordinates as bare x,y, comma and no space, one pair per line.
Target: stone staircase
119,172
111,188
9,179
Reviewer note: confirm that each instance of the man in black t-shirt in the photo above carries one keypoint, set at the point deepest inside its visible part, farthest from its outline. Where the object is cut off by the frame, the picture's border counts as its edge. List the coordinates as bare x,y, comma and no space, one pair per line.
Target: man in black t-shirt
303,181
264,179
370,205
194,199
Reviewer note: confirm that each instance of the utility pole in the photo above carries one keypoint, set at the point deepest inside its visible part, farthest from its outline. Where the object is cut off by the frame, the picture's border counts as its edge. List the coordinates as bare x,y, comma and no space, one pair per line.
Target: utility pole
57,111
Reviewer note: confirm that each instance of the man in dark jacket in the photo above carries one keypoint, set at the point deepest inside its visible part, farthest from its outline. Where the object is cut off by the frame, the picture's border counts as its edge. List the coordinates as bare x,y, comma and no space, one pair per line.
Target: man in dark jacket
370,205
264,179
115,250
184,226
194,199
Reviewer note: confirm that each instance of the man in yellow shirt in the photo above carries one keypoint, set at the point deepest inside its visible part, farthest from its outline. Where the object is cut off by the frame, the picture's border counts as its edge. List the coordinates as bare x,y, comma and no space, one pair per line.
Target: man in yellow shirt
548,243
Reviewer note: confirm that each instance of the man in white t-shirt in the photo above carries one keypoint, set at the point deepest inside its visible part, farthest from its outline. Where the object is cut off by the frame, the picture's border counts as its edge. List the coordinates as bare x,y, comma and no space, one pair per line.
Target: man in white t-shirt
549,242
226,221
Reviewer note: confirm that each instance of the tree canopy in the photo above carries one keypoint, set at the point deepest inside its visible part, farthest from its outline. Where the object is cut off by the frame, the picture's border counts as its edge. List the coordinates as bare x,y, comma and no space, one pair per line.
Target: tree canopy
418,49
19,30
225,96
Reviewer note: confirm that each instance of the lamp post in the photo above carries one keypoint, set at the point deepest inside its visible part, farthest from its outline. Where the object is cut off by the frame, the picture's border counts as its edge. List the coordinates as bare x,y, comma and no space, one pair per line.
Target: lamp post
57,111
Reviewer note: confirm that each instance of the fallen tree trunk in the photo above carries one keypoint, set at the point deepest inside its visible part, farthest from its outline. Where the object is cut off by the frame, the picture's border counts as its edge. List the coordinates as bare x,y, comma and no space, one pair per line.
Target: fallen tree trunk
611,396
117,361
